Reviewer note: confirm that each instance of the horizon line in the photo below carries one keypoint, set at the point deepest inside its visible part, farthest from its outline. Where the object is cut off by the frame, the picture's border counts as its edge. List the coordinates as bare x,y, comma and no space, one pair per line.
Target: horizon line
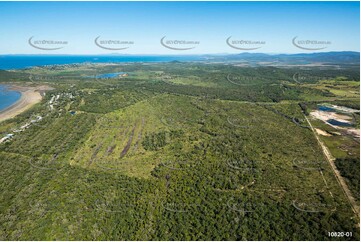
196,54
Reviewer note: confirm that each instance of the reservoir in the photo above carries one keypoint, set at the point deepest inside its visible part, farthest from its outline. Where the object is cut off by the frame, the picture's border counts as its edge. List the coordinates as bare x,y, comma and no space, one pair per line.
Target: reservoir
110,75
338,123
325,108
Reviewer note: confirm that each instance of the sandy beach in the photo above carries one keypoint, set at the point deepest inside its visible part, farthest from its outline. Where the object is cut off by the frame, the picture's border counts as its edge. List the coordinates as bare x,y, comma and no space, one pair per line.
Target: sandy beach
30,95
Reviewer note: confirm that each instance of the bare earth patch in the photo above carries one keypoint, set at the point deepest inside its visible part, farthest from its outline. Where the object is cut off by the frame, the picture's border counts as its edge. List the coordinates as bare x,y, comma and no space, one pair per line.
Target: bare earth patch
354,132
324,116
322,132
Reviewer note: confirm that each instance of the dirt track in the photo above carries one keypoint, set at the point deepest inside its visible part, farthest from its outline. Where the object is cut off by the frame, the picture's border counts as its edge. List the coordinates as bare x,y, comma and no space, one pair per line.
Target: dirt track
355,207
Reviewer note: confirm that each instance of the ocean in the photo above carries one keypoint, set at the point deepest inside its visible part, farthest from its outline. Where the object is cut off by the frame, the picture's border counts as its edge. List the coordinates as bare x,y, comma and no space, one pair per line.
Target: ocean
8,97
8,62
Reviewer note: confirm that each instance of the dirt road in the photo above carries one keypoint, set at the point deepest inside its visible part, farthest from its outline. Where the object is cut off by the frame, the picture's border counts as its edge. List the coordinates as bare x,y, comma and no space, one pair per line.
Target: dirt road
354,205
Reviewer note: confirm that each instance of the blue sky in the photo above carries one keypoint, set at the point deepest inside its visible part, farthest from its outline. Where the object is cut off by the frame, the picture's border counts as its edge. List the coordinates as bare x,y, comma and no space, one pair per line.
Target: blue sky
209,23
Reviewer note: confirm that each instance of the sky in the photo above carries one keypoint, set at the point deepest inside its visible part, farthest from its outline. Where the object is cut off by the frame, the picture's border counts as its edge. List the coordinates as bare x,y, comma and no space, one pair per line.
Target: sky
204,25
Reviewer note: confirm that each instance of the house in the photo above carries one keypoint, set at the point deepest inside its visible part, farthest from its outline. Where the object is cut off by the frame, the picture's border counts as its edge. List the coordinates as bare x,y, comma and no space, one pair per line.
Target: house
8,136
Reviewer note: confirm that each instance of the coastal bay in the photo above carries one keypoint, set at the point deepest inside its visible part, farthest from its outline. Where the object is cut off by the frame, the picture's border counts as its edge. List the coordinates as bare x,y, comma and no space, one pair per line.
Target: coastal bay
30,95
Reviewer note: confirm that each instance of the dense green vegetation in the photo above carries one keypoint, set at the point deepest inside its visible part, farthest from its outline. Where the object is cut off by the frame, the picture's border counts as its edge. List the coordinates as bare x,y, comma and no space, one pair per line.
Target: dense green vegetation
350,169
174,151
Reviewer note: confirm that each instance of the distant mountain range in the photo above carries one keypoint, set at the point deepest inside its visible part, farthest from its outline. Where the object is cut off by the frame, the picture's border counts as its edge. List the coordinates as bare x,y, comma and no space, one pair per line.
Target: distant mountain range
326,58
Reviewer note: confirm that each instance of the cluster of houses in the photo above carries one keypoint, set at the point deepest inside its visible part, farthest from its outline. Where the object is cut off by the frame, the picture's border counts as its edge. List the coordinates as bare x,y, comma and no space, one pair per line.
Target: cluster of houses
21,129
7,137
54,99
27,125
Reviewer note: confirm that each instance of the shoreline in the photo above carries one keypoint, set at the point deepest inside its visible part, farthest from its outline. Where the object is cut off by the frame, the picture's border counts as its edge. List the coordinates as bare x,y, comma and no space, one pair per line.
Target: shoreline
29,97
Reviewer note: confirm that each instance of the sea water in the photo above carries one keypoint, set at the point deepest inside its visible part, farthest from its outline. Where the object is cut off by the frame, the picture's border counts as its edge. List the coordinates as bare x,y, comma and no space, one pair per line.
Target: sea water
8,97
26,61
